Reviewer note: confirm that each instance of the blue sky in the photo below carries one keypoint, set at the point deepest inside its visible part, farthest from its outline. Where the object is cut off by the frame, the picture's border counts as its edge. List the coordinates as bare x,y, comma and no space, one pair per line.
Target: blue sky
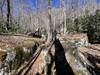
98,1
55,3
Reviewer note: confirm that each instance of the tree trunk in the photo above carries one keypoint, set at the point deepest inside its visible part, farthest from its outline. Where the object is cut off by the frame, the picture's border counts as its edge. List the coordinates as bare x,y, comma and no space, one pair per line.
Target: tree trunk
1,7
64,15
65,28
50,27
1,12
8,14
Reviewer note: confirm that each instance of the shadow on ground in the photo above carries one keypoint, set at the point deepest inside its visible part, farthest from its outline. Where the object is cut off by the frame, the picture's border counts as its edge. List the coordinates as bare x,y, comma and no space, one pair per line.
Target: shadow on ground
61,64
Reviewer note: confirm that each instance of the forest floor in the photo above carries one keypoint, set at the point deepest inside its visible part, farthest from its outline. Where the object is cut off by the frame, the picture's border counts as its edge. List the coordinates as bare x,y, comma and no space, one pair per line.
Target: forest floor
11,42
91,51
